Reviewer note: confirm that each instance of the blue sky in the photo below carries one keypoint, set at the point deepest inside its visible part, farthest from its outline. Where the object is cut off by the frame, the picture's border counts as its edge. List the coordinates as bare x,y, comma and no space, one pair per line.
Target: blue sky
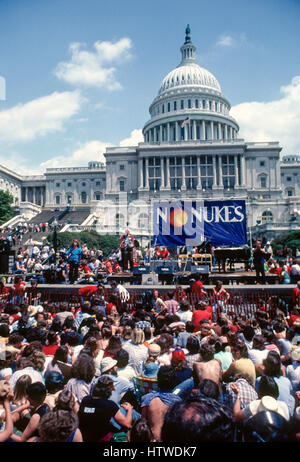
80,75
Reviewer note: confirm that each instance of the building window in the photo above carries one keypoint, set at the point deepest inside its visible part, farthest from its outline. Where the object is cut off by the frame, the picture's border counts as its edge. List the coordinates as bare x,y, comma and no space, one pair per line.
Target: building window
97,196
122,167
163,108
57,185
83,184
175,105
196,103
228,172
182,104
69,185
189,103
262,163
83,197
169,107
69,199
122,185
210,105
176,173
98,183
263,181
191,175
206,169
143,221
288,178
204,104
120,222
154,174
267,217
57,200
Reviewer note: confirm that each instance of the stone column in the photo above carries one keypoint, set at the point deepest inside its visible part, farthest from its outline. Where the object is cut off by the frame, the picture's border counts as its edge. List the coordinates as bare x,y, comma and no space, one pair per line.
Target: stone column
230,132
214,186
220,172
162,172
154,135
219,131
168,132
160,133
211,130
168,174
194,130
147,174
203,130
183,186
140,174
199,184
225,132
236,172
243,172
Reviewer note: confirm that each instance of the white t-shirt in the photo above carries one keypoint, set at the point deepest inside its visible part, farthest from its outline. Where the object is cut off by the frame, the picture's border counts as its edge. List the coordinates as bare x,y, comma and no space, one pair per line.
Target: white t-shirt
257,356
184,315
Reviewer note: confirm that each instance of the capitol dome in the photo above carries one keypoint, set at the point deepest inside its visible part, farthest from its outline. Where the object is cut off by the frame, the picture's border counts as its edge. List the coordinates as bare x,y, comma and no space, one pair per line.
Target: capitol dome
189,74
190,104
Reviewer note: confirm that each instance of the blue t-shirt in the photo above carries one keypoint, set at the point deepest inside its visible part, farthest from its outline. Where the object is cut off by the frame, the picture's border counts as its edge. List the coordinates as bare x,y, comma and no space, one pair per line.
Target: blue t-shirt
75,254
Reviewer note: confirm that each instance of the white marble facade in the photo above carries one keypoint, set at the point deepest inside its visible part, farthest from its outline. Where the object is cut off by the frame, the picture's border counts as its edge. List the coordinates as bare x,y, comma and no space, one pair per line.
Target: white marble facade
203,159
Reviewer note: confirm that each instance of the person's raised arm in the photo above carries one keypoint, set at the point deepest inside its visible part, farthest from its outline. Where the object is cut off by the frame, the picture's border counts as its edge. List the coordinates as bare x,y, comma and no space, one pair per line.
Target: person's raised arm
9,428
124,421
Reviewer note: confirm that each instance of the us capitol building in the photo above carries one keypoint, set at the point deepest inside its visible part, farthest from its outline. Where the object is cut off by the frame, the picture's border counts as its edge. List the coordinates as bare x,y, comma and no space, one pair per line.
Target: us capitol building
191,150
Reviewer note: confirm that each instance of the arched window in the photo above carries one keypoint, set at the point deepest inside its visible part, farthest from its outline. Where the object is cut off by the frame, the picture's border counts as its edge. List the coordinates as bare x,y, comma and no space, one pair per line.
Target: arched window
267,216
83,197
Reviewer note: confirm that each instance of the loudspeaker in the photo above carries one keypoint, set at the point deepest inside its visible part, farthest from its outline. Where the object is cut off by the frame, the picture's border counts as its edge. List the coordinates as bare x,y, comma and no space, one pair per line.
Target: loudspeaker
6,262
141,269
203,269
156,266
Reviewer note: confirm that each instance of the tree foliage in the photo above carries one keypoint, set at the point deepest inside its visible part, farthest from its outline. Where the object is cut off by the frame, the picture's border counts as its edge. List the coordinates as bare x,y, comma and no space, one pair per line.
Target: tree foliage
6,209
91,238
291,240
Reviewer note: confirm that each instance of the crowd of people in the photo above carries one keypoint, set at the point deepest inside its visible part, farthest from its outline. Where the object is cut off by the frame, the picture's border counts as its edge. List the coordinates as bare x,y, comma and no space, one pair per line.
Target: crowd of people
160,370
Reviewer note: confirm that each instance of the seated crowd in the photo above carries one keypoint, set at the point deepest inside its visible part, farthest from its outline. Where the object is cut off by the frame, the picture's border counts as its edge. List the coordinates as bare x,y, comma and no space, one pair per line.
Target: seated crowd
157,371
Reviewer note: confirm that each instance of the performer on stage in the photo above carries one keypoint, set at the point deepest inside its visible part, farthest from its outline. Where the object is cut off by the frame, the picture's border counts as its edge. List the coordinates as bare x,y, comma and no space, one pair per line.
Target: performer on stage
259,257
164,253
74,255
126,246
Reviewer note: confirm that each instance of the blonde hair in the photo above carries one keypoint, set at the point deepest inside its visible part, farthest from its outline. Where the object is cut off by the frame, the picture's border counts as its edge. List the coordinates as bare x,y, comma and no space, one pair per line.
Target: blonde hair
138,336
20,388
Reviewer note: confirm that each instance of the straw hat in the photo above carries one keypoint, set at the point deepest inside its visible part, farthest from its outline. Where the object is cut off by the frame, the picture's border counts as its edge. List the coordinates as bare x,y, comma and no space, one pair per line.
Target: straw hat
154,350
107,364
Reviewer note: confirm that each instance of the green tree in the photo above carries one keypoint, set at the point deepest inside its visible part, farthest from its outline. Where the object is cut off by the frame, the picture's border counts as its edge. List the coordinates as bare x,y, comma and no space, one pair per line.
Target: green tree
6,209
291,240
91,238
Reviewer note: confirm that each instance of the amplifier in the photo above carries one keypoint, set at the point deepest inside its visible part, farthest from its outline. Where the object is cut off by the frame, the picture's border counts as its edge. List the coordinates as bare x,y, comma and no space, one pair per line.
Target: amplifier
203,269
141,269
173,264
164,269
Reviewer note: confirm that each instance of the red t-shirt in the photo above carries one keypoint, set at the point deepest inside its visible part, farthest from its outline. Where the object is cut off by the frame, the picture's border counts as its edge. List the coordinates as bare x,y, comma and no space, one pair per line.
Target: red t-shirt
49,350
197,287
87,291
198,315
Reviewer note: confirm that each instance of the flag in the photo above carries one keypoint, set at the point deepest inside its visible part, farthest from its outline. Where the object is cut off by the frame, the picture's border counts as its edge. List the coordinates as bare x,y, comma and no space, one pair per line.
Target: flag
185,122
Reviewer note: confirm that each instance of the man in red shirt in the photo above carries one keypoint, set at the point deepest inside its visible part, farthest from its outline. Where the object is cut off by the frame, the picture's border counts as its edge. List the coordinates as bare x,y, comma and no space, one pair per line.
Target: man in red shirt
296,295
200,313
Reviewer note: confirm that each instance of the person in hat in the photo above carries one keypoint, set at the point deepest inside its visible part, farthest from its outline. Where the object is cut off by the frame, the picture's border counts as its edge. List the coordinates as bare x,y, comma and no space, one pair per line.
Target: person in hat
268,394
151,365
97,411
178,361
109,367
293,370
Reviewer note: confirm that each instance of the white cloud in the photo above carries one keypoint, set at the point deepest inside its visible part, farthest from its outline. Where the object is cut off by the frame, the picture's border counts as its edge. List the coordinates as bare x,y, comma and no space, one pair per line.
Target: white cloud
38,117
86,152
225,41
277,120
95,68
136,137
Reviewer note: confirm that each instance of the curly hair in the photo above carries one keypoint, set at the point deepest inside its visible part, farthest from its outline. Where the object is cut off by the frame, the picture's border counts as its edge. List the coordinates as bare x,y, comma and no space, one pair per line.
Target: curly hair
83,368
57,426
65,401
